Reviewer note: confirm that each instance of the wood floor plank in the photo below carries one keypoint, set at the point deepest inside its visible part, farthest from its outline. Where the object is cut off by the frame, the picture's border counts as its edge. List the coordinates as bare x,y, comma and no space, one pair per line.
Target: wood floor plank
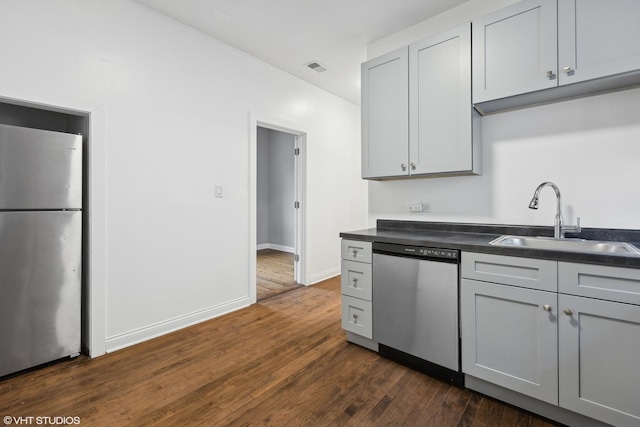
282,362
274,273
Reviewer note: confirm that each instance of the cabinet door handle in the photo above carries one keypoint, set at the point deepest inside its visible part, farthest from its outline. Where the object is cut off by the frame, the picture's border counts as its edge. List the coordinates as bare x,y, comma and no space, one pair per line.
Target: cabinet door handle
403,166
413,166
549,74
568,311
547,308
567,69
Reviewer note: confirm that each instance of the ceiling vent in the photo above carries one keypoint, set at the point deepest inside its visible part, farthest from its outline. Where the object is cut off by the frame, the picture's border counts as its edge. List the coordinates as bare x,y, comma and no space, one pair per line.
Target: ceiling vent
317,67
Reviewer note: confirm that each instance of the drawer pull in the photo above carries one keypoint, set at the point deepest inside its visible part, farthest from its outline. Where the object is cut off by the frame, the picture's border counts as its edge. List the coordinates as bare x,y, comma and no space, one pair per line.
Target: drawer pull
355,253
355,317
355,282
547,308
568,311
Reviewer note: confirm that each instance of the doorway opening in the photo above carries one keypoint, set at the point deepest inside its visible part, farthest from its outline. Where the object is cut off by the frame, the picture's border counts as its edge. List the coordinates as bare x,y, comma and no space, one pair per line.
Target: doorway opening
276,205
277,196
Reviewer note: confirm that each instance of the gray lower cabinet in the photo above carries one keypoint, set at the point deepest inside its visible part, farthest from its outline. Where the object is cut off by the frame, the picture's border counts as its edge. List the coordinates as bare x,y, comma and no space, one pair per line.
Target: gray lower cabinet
356,290
509,325
510,338
576,348
599,342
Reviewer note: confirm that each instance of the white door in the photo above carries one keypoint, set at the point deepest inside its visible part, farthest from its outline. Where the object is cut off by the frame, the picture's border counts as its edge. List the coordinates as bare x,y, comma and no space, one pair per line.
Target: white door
300,185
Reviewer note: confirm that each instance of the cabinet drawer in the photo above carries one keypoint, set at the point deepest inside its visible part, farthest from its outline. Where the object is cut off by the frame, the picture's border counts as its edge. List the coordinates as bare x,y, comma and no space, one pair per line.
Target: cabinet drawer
507,270
356,279
357,316
355,250
596,281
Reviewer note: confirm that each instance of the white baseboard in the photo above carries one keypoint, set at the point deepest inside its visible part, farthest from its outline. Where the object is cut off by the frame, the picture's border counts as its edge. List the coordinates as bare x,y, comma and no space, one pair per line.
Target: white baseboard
327,274
137,336
275,247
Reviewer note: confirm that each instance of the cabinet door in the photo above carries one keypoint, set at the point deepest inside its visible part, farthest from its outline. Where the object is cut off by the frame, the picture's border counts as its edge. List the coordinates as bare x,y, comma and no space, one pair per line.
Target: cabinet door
597,38
509,339
599,348
515,50
440,111
385,115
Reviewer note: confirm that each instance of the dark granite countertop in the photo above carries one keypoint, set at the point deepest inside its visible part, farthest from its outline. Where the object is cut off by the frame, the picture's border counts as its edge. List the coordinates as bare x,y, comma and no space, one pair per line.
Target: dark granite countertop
476,238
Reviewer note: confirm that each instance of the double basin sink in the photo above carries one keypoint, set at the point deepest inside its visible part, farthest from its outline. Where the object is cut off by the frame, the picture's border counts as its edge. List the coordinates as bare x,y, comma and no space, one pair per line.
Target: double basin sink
572,245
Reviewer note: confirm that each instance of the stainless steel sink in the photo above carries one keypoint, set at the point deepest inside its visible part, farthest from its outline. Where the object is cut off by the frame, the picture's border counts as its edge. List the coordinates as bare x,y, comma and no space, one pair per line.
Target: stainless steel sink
571,245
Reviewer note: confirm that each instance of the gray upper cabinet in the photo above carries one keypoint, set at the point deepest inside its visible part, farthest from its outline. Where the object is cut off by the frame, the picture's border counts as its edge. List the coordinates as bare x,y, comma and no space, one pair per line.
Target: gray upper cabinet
417,115
515,50
597,38
444,127
537,51
385,115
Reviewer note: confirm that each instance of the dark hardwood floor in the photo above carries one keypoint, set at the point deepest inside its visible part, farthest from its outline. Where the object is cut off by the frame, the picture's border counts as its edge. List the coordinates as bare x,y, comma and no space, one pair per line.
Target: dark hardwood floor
274,273
281,362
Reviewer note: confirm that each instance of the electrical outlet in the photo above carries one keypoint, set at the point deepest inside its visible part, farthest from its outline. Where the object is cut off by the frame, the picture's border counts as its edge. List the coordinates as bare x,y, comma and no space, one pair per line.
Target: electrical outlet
420,207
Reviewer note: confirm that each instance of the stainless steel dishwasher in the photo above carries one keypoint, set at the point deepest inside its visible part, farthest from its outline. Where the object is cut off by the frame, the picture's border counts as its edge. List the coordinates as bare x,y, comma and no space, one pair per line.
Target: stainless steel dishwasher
415,308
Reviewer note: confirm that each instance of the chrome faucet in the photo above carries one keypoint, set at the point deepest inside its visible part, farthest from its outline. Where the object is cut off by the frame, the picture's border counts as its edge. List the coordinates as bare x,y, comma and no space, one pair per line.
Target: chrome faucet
558,228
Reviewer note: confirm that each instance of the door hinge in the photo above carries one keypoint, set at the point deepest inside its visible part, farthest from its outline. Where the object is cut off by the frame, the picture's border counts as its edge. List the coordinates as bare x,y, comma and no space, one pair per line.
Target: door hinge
296,257
296,152
296,205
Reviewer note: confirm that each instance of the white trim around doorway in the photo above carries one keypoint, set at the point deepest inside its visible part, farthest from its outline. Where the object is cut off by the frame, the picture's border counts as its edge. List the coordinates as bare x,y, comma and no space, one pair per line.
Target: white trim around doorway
255,121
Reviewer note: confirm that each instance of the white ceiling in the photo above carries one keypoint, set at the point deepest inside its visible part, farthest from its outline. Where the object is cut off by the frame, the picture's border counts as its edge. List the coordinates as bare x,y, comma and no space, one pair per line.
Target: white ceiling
289,34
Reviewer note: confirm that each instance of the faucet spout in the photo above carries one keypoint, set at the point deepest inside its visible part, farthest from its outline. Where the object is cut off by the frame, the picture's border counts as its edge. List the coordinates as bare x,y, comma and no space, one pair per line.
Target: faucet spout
558,233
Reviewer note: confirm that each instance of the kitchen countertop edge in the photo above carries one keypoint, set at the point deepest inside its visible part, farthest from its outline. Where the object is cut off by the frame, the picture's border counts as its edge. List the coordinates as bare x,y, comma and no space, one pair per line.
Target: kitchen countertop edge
476,238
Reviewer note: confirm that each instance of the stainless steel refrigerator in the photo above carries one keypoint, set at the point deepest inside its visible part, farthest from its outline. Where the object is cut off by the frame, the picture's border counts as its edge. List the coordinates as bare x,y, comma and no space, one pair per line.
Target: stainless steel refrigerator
40,246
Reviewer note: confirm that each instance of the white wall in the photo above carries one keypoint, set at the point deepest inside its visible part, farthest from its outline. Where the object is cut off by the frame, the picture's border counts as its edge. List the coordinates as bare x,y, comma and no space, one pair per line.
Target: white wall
276,190
589,147
170,119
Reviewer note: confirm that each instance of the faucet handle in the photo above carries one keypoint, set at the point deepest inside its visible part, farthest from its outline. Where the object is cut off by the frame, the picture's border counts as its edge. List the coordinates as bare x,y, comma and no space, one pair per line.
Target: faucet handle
572,228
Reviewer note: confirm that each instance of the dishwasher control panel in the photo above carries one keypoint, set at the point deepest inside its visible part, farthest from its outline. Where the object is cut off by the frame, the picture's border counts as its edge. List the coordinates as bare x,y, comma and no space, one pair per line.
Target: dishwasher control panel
439,253
416,251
